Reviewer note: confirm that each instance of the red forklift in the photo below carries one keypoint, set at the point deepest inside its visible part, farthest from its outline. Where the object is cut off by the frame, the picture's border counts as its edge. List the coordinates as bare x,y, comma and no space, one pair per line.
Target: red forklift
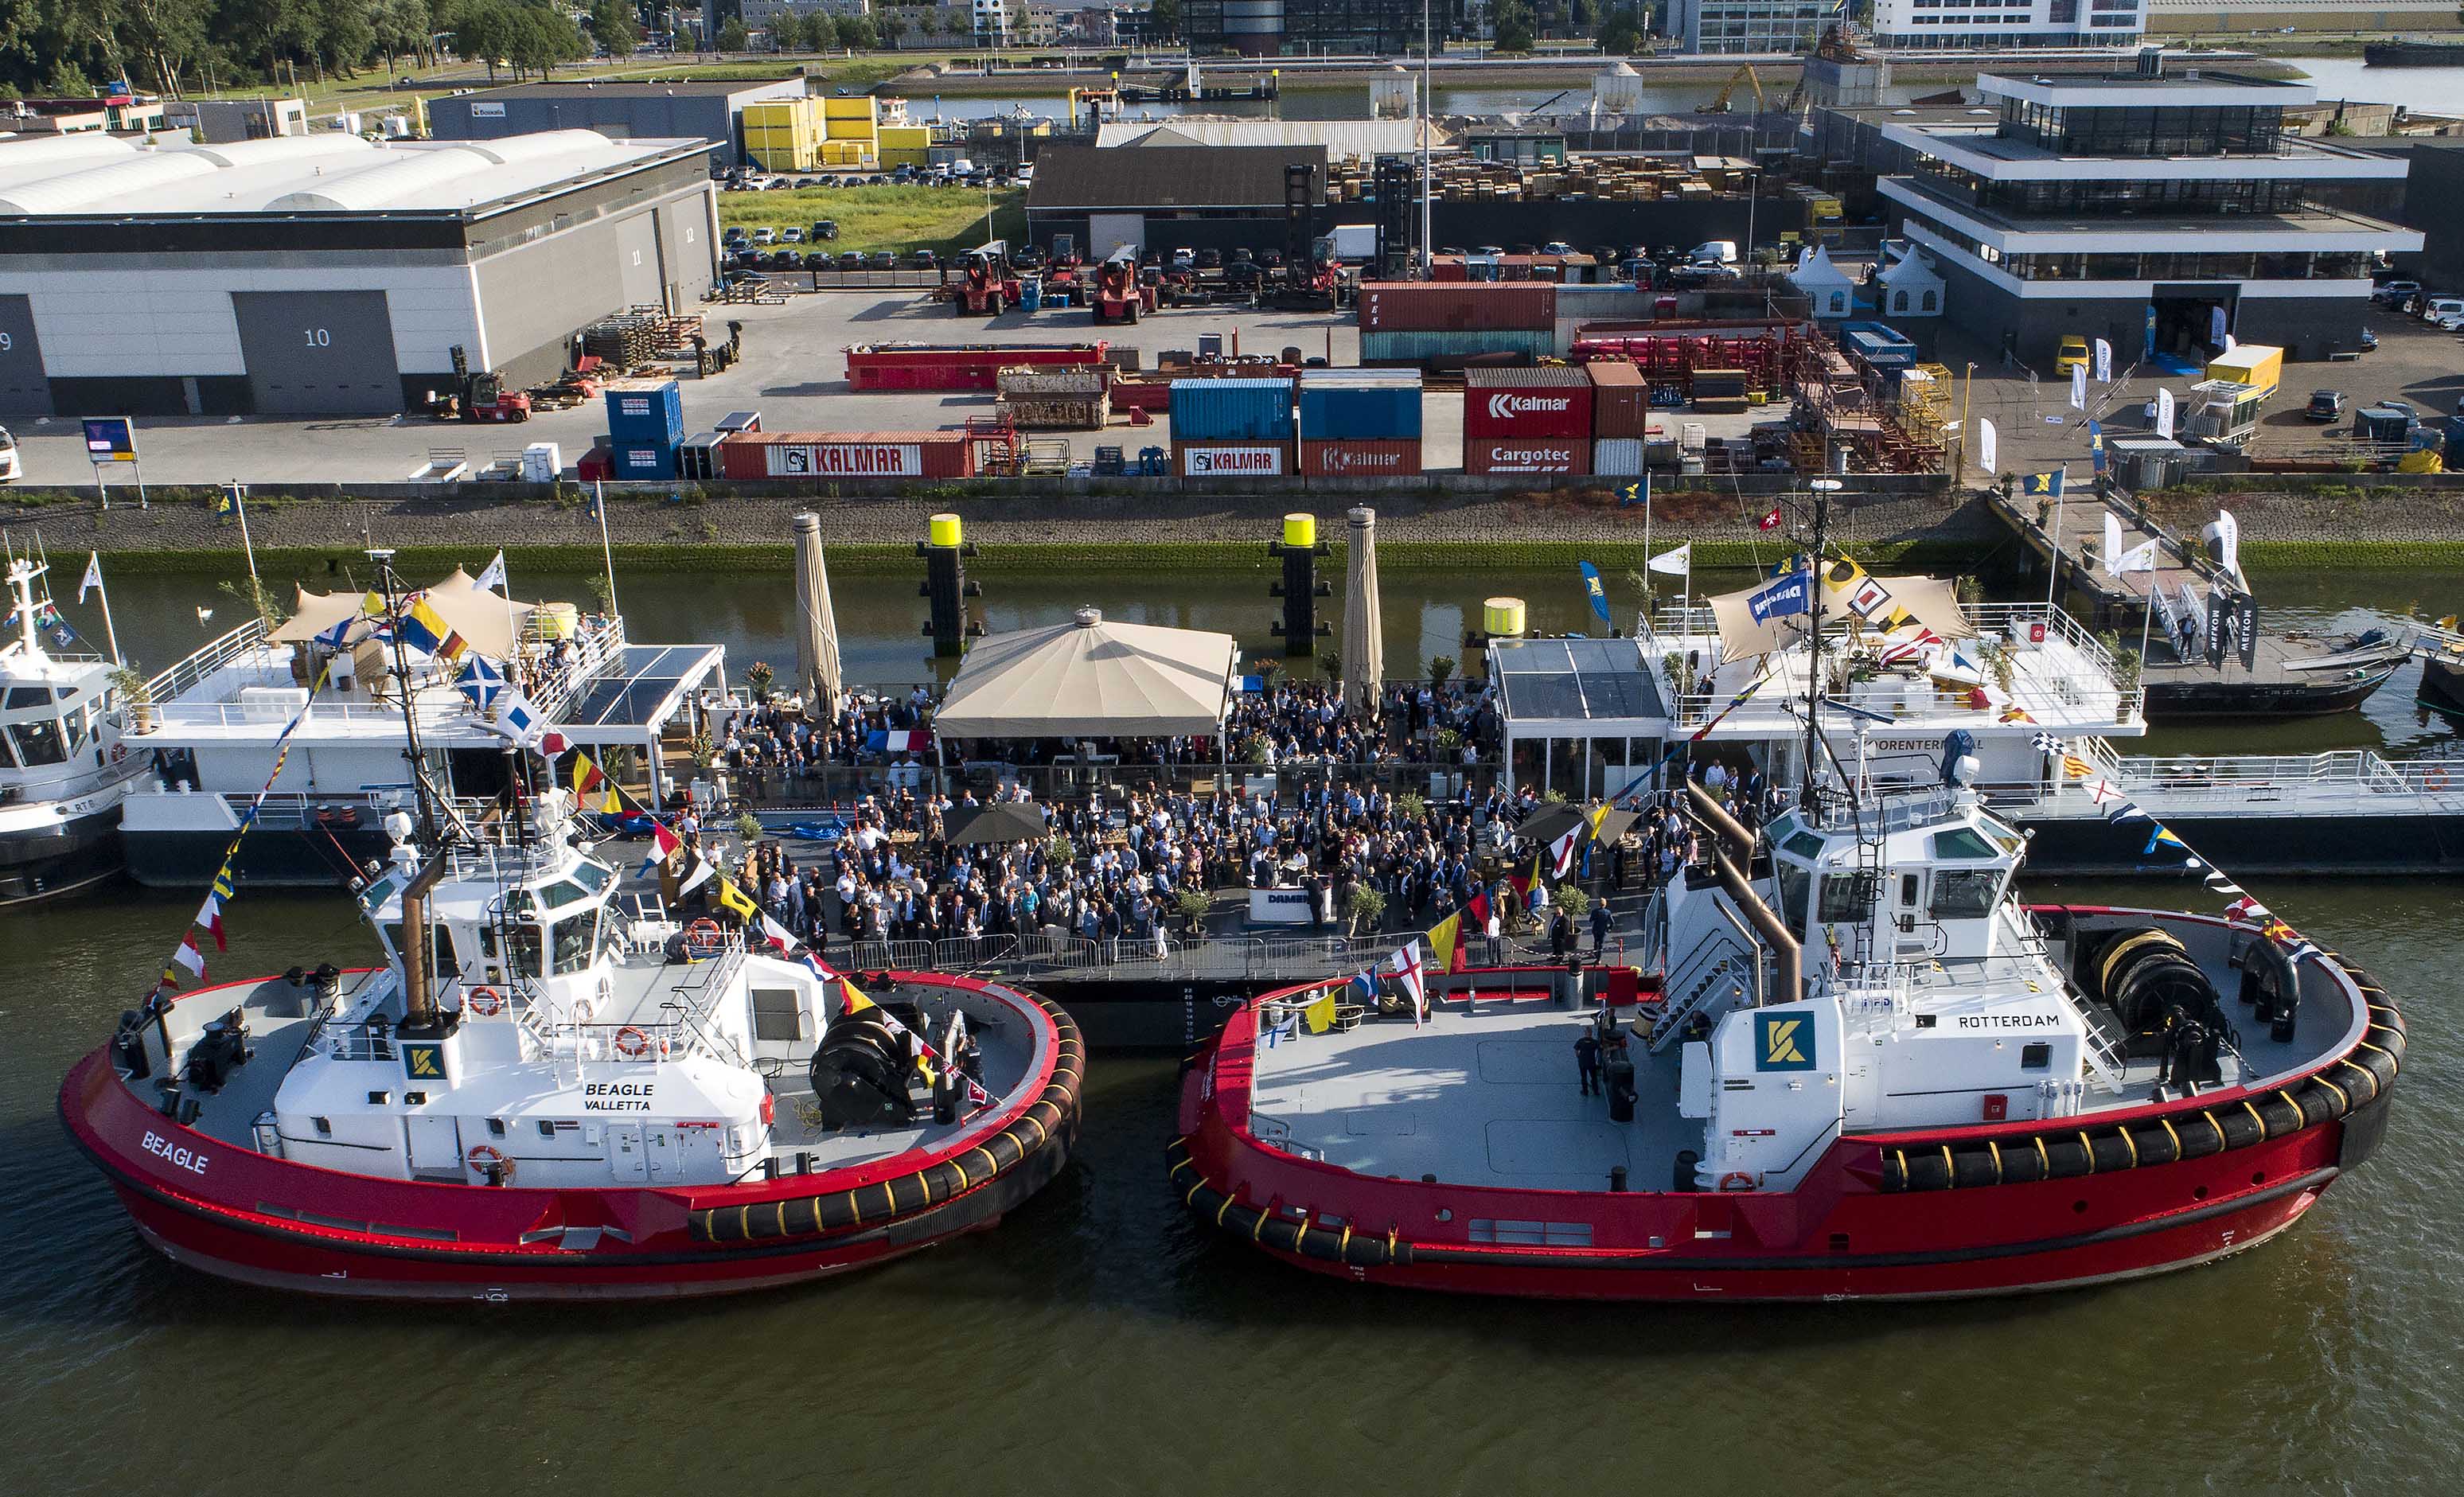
1121,293
988,285
478,396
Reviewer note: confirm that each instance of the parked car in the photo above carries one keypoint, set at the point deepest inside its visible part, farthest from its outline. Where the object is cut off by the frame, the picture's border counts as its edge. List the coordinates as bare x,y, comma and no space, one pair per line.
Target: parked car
1210,259
791,234
2071,355
851,259
8,456
924,259
2395,293
1241,275
825,228
885,260
744,276
2325,406
766,234
1027,257
806,181
2442,307
775,185
1556,247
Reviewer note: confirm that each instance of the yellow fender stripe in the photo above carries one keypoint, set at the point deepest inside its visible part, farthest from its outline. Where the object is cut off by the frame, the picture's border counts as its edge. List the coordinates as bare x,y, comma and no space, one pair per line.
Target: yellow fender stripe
2222,1142
1997,1160
2044,1161
2090,1147
1222,1211
1193,1189
744,1220
1344,1247
961,1169
1258,1228
1949,1169
2300,1119
2129,1143
1903,1166
783,1217
2170,1132
2252,1111
2341,1094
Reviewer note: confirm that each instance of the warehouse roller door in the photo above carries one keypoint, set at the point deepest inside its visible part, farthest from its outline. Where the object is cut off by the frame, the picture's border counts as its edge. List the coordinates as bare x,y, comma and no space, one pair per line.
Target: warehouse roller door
319,353
637,260
1107,233
23,388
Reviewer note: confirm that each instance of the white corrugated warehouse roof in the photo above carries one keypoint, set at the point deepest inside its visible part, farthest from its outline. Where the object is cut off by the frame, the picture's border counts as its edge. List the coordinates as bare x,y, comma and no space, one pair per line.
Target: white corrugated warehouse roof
94,174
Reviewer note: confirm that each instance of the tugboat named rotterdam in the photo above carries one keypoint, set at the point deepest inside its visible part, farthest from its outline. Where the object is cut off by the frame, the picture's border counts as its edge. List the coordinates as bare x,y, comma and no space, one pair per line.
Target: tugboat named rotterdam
1858,1068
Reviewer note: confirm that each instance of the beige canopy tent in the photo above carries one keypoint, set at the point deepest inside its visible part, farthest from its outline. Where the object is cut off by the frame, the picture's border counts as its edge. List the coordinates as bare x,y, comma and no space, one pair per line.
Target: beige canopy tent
1090,678
481,617
1849,592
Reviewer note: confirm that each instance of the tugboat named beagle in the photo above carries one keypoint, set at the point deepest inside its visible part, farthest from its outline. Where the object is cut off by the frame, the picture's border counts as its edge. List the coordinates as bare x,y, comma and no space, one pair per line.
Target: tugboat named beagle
552,1089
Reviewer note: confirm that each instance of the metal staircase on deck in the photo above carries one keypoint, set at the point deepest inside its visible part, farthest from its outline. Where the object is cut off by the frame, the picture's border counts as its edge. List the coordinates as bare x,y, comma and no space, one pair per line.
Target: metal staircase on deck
1722,967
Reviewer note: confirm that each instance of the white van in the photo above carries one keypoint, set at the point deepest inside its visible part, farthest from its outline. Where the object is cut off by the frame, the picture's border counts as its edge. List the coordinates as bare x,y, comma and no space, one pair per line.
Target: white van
1714,252
8,456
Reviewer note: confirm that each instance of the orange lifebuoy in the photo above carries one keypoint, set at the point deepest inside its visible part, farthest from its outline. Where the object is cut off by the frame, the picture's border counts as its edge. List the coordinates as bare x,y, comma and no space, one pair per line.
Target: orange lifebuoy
490,1161
1736,1179
118,752
485,1002
2435,778
704,936
631,1044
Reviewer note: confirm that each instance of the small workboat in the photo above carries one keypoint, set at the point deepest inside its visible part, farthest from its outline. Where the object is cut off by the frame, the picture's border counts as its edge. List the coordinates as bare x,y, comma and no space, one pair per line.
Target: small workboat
64,767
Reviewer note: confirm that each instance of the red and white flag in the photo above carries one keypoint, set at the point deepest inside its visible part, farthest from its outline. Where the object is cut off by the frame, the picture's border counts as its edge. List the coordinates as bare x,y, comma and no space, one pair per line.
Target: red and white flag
1405,964
778,934
188,955
210,916
1561,854
1770,521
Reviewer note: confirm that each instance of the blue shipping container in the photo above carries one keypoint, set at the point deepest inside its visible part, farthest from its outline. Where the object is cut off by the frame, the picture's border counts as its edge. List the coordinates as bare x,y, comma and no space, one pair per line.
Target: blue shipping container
1219,411
1351,406
653,415
645,461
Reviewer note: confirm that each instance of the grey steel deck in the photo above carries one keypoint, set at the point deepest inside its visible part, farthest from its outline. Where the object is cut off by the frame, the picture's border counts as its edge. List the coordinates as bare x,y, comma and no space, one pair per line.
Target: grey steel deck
1491,1098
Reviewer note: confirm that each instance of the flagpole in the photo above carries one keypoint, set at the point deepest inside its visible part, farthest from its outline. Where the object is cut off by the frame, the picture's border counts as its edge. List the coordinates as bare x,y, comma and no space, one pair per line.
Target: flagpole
607,552
111,631
239,507
2054,554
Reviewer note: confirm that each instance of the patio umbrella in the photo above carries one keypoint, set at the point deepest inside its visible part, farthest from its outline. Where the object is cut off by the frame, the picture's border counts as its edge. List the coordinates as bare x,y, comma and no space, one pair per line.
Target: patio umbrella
817,626
1547,823
1364,647
1013,821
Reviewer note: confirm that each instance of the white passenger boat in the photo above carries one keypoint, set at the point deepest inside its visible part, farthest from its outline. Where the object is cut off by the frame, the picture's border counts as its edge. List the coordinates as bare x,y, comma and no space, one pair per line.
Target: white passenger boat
63,765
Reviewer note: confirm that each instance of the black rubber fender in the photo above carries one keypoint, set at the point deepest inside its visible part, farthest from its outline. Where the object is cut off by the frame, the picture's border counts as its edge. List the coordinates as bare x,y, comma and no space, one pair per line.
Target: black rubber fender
1053,1113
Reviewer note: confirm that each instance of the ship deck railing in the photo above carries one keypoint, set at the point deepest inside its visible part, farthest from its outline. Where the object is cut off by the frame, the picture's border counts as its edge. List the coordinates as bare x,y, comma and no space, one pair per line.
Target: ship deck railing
1128,959
2339,780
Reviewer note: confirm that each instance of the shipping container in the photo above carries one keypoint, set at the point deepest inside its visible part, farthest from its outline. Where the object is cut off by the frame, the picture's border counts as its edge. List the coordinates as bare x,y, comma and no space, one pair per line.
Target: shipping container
652,414
1360,460
1234,411
1449,351
954,366
1359,405
1232,459
1526,455
1553,402
1458,306
849,454
640,461
1620,399
697,456
1617,456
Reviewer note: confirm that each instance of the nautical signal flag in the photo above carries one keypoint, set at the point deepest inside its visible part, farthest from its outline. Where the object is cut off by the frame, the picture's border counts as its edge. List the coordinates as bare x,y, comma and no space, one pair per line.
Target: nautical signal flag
228,501
736,901
663,847
1595,590
2047,484
593,789
187,957
1561,852
210,917
1770,521
1445,941
424,629
1405,964
1320,1015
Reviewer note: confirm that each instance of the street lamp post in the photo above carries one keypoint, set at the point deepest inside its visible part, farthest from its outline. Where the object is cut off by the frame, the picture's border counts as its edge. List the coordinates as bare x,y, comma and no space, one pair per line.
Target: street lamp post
1428,108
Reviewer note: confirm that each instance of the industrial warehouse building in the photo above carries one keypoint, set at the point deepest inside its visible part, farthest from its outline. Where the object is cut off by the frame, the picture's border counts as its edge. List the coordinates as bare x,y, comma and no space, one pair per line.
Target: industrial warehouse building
1093,201
328,275
707,109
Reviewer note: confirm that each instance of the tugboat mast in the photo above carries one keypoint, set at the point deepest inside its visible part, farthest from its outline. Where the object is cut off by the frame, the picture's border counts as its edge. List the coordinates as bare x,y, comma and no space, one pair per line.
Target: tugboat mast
382,557
1822,491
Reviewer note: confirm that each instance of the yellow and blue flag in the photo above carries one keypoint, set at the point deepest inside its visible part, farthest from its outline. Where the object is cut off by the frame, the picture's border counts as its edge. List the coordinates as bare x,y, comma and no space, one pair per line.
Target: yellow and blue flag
1597,590
2046,484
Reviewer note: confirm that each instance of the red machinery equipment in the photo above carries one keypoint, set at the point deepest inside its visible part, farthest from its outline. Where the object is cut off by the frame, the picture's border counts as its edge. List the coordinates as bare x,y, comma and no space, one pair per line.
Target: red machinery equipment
1120,293
987,286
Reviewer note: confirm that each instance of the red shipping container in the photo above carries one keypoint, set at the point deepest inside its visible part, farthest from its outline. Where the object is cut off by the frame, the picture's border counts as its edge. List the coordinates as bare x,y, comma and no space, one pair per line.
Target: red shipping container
1422,306
1527,455
1526,403
1355,459
849,454
955,367
1233,459
1621,400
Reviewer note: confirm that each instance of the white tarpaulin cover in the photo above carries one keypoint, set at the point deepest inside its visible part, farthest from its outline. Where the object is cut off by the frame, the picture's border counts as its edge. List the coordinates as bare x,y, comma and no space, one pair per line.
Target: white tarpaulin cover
1091,678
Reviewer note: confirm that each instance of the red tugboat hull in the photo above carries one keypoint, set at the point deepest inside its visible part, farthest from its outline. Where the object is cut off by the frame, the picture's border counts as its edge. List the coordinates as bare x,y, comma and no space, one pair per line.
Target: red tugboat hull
1896,1216
266,1220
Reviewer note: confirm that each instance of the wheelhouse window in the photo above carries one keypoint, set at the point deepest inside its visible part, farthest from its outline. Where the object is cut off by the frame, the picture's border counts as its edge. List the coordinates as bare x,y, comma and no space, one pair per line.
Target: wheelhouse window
1846,897
575,937
1795,885
1964,894
38,743
525,944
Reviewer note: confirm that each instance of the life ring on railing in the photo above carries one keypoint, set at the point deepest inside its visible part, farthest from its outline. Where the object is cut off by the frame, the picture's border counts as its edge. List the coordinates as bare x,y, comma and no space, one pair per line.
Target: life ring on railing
485,1002
1736,1179
703,939
631,1044
118,752
490,1161
2435,778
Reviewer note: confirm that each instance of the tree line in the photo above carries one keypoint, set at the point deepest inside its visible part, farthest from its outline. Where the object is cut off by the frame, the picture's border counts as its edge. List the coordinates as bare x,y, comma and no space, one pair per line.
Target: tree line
69,48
